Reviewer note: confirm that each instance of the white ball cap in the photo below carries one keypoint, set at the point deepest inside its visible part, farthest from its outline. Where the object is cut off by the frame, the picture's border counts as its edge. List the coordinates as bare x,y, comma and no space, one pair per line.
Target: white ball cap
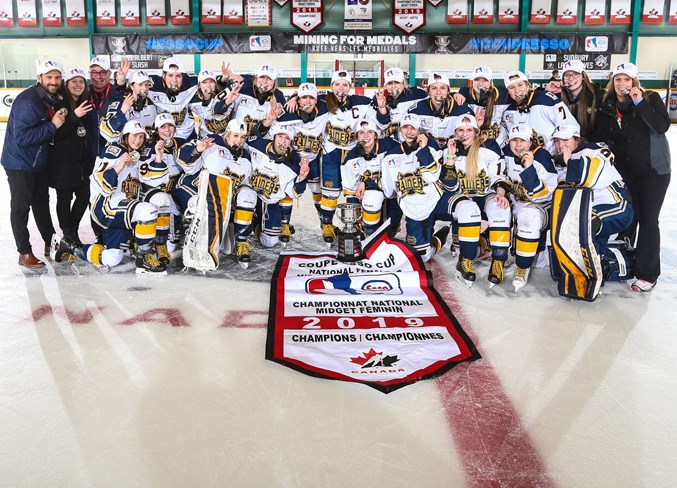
236,125
167,65
626,69
74,73
516,76
164,118
139,77
566,131
341,75
368,125
412,120
436,77
101,62
276,129
307,90
394,74
575,65
267,70
49,65
467,120
520,131
133,127
482,72
206,74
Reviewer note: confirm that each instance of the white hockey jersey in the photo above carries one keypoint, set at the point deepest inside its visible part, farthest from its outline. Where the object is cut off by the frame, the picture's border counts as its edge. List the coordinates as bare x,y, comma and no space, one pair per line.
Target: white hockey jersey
308,133
591,166
397,109
496,130
112,124
534,184
250,110
210,116
359,167
341,128
490,171
440,124
177,105
271,179
217,160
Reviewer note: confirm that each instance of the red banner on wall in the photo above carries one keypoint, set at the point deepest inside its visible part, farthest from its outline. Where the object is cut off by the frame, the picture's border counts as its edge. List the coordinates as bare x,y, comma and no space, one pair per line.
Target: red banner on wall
567,12
540,12
619,12
51,13
508,11
409,15
652,12
129,12
105,12
483,12
457,12
6,13
307,15
75,13
156,13
595,11
180,12
26,13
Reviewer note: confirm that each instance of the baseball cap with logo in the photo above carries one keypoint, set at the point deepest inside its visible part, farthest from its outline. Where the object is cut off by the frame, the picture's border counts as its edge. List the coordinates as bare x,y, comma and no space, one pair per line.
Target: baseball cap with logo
340,75
139,77
467,120
516,76
49,65
101,62
436,77
307,89
520,131
133,127
626,69
164,118
394,74
172,61
236,125
276,129
206,74
267,70
482,72
575,65
566,131
367,125
74,73
412,120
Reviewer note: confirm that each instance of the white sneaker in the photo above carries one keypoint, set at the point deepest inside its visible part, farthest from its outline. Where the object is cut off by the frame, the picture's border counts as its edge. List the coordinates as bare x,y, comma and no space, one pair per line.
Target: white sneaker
643,285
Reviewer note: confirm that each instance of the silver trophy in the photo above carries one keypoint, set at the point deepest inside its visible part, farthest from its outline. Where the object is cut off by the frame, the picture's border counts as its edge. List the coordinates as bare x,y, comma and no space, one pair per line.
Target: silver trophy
349,244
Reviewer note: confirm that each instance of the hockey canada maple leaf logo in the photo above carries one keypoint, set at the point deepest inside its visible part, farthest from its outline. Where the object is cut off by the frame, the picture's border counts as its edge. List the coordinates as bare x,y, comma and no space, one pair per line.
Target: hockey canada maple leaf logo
373,359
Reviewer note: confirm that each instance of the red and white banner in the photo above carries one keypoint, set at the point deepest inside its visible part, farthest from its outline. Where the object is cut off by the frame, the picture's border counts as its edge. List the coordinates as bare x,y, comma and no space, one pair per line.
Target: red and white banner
307,15
652,12
567,11
595,12
483,12
508,11
105,12
672,14
129,12
357,15
6,13
211,12
409,15
541,12
51,13
457,12
156,12
179,12
233,12
75,12
619,12
259,13
26,13
378,322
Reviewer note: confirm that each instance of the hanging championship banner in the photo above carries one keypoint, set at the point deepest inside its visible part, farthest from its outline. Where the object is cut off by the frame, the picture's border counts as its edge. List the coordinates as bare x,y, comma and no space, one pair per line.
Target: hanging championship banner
51,13
508,11
306,15
211,12
409,15
232,12
75,12
672,14
483,12
180,12
595,11
566,11
357,15
457,12
619,12
259,13
540,12
156,13
129,12
6,13
378,322
652,12
105,12
26,13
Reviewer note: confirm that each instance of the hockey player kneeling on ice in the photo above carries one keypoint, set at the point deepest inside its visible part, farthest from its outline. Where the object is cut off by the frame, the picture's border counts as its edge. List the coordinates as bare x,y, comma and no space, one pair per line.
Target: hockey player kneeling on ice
278,172
412,171
121,207
586,165
533,178
225,170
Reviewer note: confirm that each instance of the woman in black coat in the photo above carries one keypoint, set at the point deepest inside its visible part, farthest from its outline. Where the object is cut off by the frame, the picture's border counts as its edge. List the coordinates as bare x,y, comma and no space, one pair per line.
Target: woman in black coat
71,158
633,122
583,98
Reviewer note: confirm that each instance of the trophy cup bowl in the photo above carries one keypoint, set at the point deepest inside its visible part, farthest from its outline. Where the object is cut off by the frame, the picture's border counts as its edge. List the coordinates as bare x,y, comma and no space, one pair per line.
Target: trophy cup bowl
348,236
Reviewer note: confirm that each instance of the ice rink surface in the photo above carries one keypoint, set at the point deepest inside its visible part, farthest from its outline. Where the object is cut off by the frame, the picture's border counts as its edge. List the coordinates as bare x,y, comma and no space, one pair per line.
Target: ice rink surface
109,379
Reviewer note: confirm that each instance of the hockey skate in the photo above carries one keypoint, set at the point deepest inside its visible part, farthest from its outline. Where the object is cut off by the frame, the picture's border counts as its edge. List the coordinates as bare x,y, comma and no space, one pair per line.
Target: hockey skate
496,273
440,238
163,254
242,252
148,263
465,272
328,234
286,231
520,279
60,248
454,245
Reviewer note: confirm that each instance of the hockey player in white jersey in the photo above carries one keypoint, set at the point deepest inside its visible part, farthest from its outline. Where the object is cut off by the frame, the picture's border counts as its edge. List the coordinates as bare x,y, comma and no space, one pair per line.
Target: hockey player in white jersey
488,102
121,207
413,172
533,178
278,172
361,174
539,109
481,176
399,99
210,108
135,106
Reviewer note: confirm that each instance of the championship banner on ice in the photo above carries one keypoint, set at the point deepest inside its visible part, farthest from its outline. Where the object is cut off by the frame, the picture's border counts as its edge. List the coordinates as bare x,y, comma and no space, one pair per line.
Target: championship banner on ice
378,321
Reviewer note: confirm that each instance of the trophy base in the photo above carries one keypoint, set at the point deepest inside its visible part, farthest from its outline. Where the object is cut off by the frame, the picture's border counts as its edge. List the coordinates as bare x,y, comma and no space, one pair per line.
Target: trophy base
349,247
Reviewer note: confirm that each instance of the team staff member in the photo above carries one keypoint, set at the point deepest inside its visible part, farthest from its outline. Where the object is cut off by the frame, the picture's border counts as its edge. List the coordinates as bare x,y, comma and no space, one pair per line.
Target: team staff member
31,127
634,121
582,96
